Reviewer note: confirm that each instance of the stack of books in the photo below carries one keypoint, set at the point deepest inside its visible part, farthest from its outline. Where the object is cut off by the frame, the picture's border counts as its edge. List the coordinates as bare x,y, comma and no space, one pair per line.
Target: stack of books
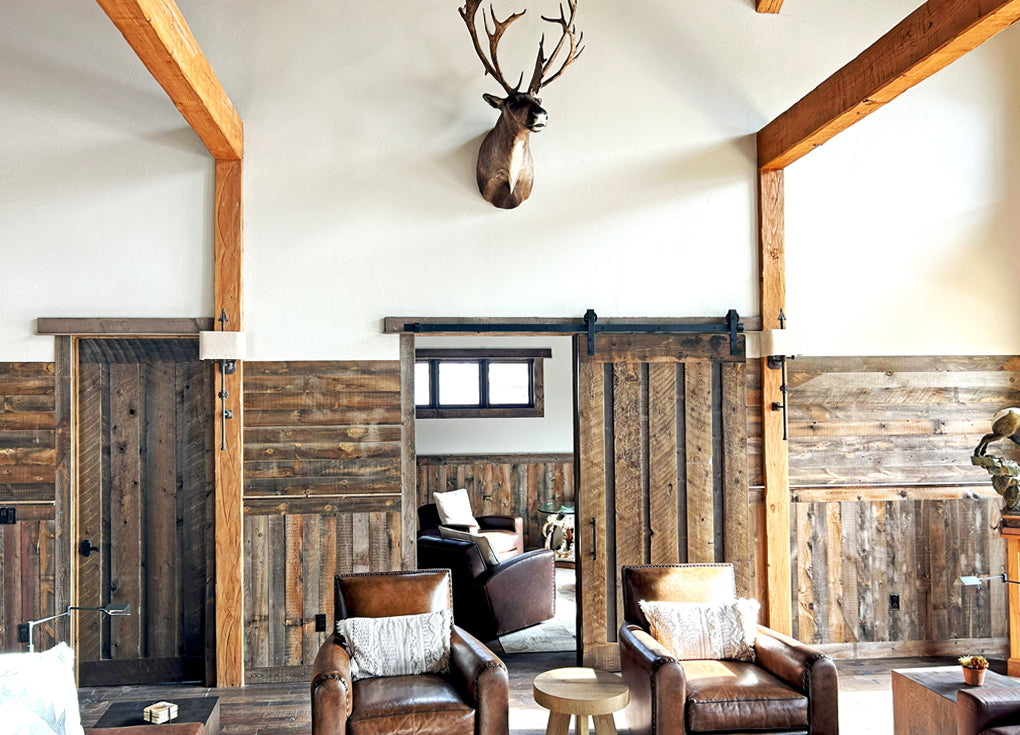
160,712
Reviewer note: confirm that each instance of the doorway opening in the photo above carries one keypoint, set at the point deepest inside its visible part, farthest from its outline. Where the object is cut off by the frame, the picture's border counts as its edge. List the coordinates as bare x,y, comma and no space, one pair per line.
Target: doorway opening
495,418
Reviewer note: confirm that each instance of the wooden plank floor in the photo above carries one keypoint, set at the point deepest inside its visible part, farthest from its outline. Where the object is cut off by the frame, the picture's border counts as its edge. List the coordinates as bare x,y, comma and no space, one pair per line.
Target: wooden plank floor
283,709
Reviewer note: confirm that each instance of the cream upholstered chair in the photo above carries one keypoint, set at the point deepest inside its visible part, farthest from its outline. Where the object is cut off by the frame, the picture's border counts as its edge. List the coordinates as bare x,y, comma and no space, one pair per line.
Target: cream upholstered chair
505,534
789,688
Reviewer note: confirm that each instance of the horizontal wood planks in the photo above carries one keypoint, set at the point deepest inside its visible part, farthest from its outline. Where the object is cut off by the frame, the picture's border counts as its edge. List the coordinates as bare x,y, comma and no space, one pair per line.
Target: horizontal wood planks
895,421
511,484
885,502
27,421
322,428
322,469
27,472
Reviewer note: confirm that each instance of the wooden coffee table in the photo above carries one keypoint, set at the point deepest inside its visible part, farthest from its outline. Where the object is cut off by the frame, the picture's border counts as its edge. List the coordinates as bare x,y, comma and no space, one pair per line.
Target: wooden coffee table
189,709
582,693
924,700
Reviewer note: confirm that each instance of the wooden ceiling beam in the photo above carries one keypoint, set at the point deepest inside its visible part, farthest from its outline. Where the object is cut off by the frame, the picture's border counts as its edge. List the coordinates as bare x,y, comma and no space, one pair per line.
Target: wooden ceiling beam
930,38
160,36
768,6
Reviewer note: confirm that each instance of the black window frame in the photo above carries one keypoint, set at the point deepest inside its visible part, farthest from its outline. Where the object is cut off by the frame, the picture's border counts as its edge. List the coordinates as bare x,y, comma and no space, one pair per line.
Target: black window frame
535,408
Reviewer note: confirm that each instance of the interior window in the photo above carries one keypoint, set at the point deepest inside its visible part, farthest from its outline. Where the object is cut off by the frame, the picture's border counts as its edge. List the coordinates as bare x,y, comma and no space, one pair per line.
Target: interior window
452,383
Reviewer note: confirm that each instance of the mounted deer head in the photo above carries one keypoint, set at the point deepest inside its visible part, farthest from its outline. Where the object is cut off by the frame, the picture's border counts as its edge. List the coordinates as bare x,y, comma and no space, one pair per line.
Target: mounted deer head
505,170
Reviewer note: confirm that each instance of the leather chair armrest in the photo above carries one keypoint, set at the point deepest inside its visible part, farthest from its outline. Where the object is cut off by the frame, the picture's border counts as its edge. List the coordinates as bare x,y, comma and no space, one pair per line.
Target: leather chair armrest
501,523
478,672
805,668
521,590
658,685
458,527
332,692
982,708
525,564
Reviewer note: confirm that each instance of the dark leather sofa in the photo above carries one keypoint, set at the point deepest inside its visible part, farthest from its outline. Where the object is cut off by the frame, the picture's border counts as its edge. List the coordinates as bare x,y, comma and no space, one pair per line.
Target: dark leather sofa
473,699
791,689
490,601
170,728
988,711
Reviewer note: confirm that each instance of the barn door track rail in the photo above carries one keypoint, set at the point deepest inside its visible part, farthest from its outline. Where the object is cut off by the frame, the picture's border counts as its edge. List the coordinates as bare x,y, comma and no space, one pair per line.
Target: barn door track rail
588,325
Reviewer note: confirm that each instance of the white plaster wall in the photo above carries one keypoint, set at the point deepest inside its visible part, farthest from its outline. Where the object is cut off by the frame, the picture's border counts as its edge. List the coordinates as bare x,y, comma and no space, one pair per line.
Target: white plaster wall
553,432
362,121
105,192
902,231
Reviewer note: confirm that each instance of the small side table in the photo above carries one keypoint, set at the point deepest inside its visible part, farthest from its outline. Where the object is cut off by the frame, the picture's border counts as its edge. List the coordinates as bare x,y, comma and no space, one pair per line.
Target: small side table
583,693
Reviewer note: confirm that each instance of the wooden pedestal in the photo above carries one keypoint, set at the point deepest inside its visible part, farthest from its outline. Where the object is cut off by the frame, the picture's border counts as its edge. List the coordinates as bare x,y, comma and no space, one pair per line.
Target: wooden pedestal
1011,534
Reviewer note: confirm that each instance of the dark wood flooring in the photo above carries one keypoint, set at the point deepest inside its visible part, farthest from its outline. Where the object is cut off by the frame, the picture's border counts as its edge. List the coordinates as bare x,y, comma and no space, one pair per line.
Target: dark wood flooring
283,709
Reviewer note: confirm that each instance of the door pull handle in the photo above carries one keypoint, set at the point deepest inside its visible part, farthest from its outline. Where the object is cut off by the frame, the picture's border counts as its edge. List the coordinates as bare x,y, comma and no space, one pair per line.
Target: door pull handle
594,539
86,548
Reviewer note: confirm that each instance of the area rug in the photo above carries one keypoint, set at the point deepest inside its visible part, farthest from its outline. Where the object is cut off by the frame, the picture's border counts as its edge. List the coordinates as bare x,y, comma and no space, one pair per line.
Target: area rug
557,634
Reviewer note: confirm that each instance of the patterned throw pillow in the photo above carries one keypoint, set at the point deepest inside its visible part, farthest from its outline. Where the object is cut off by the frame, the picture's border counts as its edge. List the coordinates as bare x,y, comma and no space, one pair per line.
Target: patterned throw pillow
398,646
489,555
717,630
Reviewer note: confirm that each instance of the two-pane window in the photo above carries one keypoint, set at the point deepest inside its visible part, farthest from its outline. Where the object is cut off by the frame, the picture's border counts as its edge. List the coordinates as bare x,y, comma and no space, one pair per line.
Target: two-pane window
474,383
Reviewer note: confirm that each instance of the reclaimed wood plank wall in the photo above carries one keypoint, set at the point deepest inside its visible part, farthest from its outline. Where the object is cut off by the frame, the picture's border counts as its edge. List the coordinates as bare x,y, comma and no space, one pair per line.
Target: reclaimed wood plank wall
27,469
502,484
322,497
885,502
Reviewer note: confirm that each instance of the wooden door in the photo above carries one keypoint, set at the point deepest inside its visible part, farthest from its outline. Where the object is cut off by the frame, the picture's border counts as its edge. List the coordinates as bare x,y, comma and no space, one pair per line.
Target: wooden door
661,472
144,499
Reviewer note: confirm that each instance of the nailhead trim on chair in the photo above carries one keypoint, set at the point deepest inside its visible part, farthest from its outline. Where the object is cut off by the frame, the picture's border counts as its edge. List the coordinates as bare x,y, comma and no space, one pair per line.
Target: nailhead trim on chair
659,663
405,573
807,681
348,704
481,670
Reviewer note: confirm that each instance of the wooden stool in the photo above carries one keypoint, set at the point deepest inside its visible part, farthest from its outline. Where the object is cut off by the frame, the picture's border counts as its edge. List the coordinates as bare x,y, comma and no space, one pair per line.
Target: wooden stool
581,692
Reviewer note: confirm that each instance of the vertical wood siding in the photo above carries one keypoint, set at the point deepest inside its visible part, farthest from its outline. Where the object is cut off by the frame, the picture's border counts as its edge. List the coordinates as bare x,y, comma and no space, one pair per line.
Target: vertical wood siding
145,499
659,480
886,502
322,497
502,484
27,469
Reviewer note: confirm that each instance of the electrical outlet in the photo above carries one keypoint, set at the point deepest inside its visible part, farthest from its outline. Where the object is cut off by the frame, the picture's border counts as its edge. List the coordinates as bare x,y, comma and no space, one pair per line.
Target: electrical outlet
23,633
894,602
8,515
320,623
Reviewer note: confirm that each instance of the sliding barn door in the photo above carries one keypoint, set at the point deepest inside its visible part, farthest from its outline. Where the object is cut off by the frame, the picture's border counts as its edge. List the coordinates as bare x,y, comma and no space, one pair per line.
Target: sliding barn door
662,467
144,501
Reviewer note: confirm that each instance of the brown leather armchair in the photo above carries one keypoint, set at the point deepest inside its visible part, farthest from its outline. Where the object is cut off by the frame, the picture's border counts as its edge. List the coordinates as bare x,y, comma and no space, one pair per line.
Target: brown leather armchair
791,688
505,533
489,601
988,710
472,699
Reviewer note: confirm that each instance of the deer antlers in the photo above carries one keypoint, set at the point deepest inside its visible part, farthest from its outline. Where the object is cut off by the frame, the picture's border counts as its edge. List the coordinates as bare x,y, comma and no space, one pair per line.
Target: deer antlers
542,64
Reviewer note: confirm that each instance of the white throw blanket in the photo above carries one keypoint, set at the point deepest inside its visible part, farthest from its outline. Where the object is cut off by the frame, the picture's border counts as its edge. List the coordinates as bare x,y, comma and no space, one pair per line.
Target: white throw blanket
37,693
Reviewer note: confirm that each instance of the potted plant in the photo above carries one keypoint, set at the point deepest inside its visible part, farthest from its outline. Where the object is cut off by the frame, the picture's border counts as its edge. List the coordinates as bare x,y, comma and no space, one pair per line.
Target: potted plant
974,667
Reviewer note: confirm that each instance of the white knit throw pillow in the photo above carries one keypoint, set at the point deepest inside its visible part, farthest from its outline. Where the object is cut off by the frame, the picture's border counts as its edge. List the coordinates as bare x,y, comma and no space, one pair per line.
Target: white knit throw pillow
694,630
398,646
